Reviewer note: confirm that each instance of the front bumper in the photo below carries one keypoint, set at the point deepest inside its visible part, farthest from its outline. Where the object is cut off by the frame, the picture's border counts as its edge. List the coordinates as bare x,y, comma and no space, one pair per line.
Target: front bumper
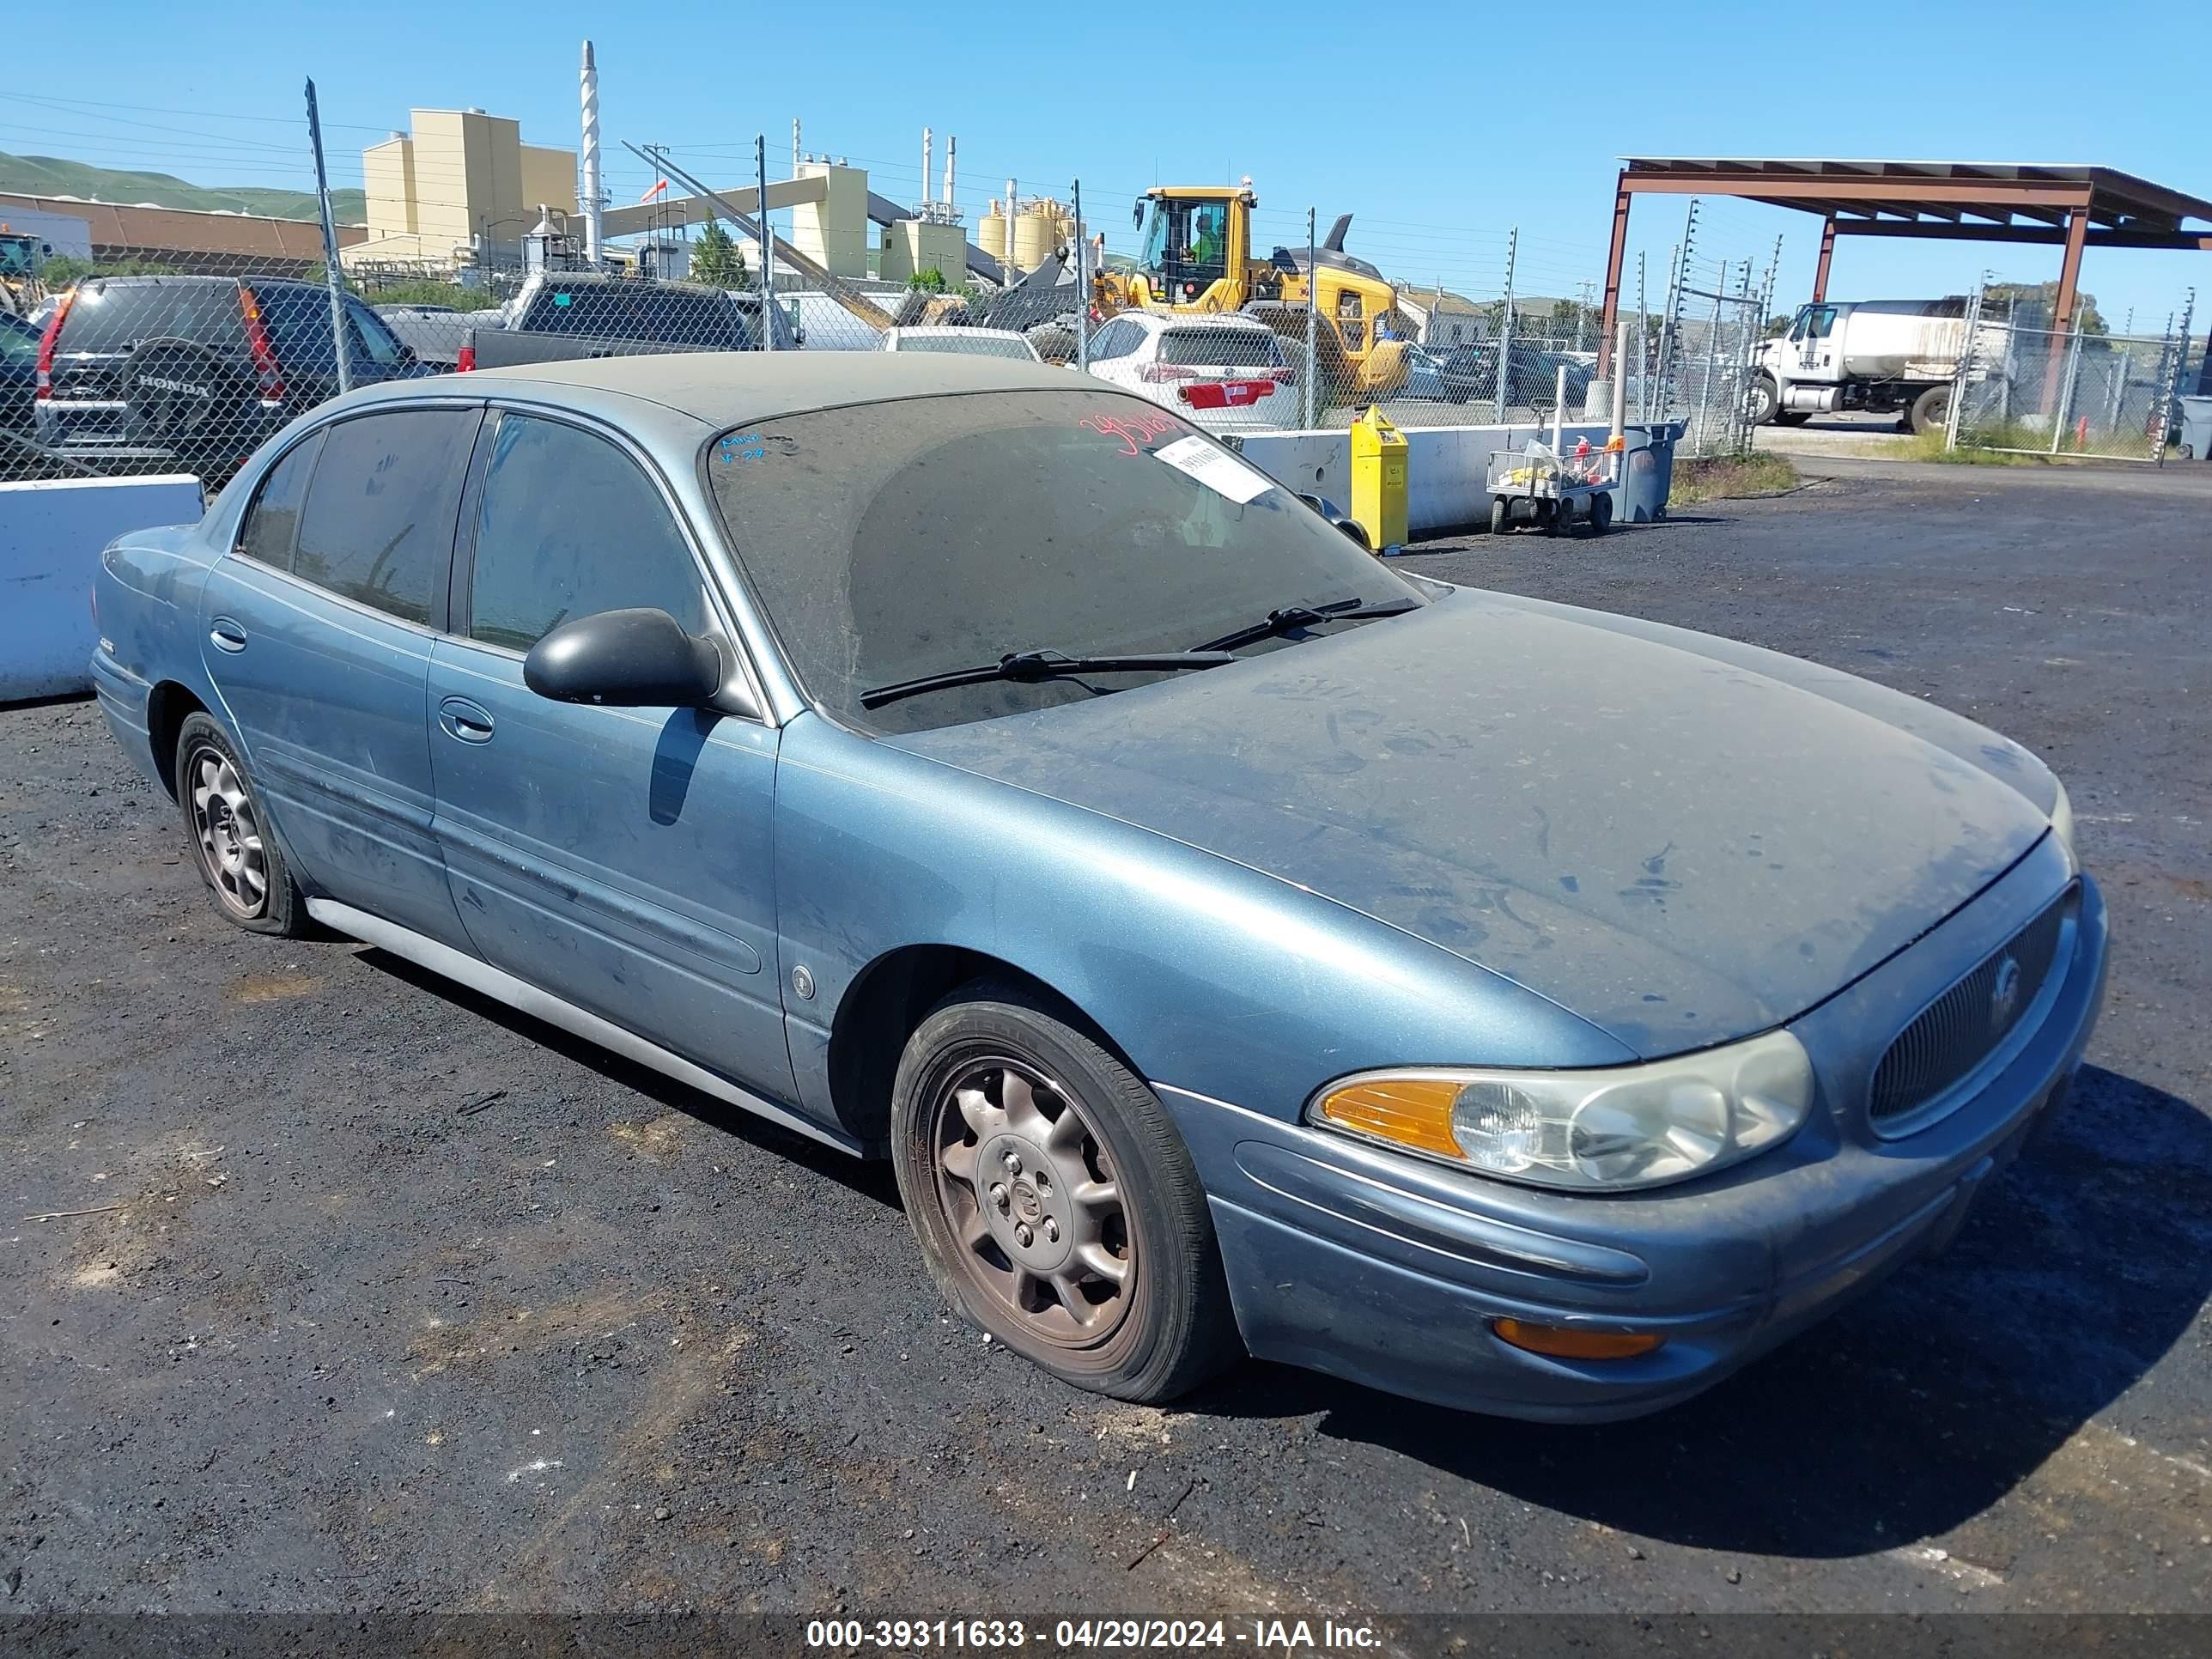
1389,1271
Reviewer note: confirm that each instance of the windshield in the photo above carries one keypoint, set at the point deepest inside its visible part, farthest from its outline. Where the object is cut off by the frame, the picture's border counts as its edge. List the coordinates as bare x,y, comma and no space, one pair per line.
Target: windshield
890,541
638,310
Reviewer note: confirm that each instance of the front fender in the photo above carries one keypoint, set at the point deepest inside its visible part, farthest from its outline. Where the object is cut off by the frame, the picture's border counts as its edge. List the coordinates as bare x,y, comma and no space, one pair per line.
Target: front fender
1212,976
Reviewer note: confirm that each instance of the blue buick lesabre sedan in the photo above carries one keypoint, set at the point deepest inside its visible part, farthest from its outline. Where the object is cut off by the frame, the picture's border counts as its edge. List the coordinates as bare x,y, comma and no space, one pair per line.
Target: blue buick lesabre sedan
1236,946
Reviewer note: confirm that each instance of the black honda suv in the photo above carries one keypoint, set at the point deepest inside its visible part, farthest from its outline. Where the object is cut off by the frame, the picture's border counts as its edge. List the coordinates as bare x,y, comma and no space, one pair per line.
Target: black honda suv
190,373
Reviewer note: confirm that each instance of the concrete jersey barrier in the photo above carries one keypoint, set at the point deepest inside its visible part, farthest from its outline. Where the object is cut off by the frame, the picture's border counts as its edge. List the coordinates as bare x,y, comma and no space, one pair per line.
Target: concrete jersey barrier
51,538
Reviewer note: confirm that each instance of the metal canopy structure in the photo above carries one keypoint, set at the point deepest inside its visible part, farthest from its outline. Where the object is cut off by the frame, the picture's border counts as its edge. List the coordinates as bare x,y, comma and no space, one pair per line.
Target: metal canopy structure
2066,206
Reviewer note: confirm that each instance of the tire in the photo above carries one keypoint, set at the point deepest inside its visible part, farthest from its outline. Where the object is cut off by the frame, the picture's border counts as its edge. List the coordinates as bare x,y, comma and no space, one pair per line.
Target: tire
1552,518
1501,515
1765,400
1931,408
977,1085
248,881
1600,512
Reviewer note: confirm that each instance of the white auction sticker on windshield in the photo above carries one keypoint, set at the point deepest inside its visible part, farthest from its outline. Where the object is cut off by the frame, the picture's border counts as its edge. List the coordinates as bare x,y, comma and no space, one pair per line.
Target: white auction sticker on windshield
1217,469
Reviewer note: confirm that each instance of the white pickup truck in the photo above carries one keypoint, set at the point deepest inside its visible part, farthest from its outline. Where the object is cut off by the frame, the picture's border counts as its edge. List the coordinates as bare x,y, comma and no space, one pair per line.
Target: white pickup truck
1882,355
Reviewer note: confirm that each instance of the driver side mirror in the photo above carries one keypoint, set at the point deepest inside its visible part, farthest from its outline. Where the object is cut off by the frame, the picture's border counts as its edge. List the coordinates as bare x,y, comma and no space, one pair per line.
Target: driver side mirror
631,658
1357,530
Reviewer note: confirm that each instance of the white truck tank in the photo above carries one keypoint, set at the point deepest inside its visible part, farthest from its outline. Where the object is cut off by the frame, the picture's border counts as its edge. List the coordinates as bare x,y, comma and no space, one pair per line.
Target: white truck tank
1901,339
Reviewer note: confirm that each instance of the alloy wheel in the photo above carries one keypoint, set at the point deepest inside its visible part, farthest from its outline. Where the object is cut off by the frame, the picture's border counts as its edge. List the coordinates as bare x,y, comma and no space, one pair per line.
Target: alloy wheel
232,852
1024,1182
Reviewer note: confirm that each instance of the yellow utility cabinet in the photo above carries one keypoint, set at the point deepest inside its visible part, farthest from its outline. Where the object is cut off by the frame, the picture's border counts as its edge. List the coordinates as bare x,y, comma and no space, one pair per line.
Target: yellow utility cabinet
1378,480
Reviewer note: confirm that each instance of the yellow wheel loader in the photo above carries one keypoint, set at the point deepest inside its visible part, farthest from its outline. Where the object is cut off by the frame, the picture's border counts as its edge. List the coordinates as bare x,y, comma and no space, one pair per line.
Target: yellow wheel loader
1196,258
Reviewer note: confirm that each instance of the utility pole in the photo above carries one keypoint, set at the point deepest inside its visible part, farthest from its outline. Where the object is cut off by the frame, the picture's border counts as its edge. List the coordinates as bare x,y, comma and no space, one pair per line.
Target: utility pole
1505,328
1082,282
1313,407
330,247
767,246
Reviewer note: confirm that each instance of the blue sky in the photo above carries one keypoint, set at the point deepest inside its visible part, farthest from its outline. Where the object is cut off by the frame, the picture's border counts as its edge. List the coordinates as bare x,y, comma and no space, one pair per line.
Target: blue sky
1423,120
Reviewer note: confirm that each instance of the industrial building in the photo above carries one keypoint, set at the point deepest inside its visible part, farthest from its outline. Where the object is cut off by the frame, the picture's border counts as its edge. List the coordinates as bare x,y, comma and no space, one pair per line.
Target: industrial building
460,187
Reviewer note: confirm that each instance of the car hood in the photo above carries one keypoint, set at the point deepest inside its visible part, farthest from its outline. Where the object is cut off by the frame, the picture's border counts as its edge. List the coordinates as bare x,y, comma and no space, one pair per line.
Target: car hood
1679,849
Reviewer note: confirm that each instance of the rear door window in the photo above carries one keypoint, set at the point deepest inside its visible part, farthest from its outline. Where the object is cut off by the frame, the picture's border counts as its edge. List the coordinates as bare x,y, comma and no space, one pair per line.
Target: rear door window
267,532
571,526
115,316
377,526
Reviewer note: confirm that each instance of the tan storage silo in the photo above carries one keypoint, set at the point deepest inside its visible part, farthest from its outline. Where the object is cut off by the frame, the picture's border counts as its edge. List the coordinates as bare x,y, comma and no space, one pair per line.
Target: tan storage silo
1037,234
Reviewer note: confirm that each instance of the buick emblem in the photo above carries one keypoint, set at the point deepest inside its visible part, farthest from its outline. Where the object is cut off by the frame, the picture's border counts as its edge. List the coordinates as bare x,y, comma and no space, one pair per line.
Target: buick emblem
2004,995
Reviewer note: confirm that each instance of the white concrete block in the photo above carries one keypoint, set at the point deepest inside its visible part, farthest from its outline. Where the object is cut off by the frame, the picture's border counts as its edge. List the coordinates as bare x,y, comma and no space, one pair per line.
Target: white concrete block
51,538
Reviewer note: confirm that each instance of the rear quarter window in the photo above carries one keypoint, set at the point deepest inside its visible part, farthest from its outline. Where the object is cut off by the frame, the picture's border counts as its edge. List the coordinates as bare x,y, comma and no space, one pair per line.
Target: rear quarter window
116,316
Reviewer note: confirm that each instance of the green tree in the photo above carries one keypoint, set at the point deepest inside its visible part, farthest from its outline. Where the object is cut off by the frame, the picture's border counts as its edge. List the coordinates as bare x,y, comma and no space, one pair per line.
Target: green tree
929,281
716,258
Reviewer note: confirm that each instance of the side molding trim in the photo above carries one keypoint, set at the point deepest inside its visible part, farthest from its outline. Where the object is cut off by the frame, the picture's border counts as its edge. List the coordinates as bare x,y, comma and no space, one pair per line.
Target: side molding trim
525,998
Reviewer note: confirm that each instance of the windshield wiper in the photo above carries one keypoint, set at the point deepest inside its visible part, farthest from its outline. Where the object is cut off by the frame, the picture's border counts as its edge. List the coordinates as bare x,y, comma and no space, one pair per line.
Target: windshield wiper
1292,617
1027,667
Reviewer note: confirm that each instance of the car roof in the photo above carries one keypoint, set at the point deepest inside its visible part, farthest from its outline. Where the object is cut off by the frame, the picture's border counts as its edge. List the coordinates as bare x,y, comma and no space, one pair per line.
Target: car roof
729,388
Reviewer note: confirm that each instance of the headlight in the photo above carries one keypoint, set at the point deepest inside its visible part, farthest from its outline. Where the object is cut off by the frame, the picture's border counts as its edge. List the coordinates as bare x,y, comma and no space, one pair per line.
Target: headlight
2061,816
1623,1126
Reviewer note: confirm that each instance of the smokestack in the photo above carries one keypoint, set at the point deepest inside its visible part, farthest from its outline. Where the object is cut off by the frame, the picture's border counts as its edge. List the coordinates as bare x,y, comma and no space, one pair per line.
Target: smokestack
951,152
794,147
925,164
592,193
1008,264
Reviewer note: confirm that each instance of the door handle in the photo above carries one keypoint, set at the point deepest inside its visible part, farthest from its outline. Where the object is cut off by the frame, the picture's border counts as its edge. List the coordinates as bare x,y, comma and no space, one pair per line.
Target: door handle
469,721
227,634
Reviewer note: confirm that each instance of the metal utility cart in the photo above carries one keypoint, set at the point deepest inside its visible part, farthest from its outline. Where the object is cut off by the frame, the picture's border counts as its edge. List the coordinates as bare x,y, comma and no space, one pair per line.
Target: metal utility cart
1551,485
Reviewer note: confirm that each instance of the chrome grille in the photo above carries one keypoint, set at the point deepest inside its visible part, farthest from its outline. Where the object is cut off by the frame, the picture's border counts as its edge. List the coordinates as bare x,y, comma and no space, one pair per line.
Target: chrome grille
1963,1026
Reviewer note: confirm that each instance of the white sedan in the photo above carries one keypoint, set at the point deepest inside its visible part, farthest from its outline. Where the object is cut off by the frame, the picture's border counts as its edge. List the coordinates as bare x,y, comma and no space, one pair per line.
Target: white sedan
968,342
1221,373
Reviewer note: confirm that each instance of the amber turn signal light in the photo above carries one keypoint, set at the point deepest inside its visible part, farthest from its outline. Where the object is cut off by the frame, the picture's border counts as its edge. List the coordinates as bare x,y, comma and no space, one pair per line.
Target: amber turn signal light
1413,1112
1561,1342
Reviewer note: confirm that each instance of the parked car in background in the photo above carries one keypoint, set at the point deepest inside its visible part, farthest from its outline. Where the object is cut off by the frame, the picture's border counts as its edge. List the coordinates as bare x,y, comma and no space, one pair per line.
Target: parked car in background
191,373
560,314
965,342
433,333
1233,942
1222,372
1470,371
18,379
1439,376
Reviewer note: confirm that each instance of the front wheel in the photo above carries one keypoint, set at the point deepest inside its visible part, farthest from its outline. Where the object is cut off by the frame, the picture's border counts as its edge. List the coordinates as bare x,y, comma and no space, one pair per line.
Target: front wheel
1501,515
1055,1205
1765,400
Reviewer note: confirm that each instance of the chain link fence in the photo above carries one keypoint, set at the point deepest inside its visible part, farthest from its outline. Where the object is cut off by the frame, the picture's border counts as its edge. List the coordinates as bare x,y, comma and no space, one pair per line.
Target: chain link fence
153,361
2026,388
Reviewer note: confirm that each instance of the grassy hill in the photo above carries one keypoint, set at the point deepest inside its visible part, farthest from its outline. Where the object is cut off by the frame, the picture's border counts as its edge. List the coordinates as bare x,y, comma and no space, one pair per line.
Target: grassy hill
51,175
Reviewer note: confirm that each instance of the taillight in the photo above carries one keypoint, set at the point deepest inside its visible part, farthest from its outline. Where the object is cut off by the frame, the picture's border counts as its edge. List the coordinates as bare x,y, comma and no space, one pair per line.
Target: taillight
466,360
265,368
46,388
1156,373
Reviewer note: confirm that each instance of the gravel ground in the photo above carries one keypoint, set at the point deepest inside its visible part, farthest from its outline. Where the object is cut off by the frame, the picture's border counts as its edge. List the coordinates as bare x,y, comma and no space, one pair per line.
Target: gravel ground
373,1297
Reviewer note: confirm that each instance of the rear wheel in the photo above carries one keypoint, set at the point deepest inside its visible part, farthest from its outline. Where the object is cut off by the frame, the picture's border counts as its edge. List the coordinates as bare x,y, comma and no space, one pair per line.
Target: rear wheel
1501,515
238,858
1930,410
1055,1205
1601,513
